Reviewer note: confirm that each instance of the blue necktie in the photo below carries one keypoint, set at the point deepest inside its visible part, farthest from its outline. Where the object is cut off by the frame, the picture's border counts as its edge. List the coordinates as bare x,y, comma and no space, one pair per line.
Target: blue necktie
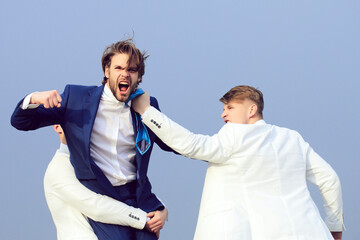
142,141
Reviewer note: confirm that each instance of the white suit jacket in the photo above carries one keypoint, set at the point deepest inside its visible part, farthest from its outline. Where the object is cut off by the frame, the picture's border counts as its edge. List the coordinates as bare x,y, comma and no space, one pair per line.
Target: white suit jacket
70,202
255,186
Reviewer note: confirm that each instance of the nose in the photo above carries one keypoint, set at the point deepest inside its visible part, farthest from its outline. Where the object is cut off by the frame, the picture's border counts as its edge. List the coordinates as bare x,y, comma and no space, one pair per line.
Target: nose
223,115
125,73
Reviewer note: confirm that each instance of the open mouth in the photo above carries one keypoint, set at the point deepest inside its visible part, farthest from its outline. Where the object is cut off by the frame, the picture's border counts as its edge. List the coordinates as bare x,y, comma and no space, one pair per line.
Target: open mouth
123,87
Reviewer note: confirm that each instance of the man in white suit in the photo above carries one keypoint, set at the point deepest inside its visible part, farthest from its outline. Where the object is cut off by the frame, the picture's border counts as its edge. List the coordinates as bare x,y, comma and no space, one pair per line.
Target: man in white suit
255,186
70,202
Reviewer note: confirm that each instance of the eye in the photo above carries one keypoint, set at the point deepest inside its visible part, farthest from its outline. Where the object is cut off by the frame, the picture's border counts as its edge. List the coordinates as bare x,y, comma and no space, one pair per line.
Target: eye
132,70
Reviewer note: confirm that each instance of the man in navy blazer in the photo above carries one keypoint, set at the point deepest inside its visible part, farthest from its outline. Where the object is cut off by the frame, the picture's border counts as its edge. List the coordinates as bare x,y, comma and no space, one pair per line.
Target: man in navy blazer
97,124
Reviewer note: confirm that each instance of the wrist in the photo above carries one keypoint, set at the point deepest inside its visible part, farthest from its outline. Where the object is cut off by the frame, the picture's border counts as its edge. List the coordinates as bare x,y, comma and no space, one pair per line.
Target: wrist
144,110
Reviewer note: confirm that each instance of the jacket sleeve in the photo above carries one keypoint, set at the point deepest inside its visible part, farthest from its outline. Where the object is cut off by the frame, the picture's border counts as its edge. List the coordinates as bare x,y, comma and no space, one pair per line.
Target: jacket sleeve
216,148
158,141
321,174
34,118
60,182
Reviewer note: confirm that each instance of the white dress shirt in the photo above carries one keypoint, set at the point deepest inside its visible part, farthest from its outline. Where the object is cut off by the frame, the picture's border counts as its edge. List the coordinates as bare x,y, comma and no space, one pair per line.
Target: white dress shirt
112,140
70,202
255,186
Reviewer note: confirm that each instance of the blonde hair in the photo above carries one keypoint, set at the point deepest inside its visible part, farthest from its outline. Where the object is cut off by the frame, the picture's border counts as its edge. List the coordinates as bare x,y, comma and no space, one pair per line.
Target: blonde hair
242,92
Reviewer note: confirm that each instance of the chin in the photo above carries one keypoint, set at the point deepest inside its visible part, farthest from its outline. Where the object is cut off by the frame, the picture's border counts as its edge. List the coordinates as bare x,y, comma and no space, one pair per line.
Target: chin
122,98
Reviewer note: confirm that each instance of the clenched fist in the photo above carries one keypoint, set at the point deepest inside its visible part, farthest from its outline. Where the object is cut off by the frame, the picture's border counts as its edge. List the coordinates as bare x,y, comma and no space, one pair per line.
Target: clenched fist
49,99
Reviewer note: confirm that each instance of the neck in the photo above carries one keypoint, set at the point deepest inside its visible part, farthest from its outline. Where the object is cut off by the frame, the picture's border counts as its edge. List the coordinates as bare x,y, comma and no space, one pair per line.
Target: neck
63,140
254,120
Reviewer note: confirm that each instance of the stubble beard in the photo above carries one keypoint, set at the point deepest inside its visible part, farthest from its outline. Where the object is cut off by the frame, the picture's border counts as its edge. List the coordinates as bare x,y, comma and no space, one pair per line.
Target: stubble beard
122,98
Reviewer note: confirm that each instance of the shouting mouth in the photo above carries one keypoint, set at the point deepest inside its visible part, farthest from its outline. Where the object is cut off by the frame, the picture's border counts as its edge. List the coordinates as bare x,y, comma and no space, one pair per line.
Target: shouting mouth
123,87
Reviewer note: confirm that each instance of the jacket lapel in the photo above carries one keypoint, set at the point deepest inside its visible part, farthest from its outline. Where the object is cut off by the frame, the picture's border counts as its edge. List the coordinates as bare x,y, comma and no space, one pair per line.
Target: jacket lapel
90,106
138,155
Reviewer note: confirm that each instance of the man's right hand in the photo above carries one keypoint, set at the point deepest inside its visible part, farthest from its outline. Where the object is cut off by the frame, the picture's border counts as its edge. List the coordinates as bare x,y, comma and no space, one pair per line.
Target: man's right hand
49,99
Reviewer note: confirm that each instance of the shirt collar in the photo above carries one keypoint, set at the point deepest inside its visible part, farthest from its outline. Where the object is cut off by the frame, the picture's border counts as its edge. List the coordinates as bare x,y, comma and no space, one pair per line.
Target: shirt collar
64,148
260,122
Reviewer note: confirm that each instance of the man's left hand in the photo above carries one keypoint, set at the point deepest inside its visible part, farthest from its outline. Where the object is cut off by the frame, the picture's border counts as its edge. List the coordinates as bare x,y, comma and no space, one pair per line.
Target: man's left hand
157,221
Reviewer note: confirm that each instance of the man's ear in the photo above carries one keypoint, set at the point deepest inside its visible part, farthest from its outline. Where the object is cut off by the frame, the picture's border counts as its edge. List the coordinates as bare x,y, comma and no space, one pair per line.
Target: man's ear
252,110
106,72
57,128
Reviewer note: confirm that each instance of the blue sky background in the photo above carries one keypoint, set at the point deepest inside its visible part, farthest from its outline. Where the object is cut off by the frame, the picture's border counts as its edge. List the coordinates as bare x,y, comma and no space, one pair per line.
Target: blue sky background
303,55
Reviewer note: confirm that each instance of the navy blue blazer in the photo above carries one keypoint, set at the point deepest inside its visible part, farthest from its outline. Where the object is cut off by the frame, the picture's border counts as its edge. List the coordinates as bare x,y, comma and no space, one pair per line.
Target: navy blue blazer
76,116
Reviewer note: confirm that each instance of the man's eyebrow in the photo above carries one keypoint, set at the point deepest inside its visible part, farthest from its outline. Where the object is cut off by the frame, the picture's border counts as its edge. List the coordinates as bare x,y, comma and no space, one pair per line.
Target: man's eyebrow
133,68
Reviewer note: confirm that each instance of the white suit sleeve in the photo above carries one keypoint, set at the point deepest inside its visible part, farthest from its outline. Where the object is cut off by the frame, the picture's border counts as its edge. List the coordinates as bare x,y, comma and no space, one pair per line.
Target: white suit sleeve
60,180
216,148
321,174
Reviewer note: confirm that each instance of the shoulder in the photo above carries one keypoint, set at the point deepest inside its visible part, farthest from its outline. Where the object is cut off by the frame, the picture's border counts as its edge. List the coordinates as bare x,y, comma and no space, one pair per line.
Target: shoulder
246,127
153,99
243,132
290,136
287,131
80,90
71,87
154,102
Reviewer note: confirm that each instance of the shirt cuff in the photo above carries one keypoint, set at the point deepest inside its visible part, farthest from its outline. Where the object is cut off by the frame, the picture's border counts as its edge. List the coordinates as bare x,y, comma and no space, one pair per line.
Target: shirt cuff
26,103
336,227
